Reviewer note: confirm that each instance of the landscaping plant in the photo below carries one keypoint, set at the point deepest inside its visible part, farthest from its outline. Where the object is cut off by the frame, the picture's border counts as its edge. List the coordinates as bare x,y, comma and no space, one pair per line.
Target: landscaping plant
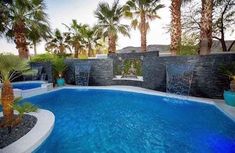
229,70
23,108
59,67
10,68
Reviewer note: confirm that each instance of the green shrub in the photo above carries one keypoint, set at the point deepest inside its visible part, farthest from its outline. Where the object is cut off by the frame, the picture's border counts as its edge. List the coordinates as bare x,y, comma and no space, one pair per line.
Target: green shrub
59,66
188,50
43,58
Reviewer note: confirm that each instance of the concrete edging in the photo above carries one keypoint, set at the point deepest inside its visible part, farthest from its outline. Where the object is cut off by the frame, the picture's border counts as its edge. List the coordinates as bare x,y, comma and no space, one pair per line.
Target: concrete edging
36,136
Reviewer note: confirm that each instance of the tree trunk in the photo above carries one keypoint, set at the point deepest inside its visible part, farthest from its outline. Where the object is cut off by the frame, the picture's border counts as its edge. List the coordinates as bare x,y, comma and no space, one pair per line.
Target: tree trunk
90,54
143,32
20,40
206,27
112,43
7,102
175,27
231,46
76,53
35,48
223,44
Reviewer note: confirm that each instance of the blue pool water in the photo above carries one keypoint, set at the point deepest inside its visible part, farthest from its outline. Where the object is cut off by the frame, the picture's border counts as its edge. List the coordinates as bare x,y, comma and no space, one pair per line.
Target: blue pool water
106,121
26,86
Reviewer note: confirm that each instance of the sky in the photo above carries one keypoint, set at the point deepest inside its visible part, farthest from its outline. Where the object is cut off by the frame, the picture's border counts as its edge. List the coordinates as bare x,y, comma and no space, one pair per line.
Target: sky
63,11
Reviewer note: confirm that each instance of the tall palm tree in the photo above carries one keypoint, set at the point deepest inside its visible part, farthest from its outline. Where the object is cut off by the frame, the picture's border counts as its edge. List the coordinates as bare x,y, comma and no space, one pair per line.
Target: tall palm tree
109,23
176,25
141,12
36,35
19,17
90,39
206,27
10,65
74,37
58,43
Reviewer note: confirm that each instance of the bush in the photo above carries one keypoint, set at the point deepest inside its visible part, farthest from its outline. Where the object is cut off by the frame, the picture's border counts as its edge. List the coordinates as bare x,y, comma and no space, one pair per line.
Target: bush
43,58
188,50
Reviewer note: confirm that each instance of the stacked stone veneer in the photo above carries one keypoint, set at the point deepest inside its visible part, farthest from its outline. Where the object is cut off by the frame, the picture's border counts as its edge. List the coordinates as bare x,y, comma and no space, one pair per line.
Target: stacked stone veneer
47,69
207,80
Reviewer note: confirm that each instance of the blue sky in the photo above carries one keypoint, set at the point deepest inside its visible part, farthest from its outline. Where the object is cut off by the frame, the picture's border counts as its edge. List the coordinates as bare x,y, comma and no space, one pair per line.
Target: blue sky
63,11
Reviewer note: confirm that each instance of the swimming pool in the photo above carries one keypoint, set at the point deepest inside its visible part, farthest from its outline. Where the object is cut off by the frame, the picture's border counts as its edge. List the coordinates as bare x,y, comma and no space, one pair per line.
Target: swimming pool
96,120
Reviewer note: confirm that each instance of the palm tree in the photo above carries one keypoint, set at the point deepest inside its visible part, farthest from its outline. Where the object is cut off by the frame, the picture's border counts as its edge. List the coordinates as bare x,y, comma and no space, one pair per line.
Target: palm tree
74,37
109,23
141,12
176,26
10,65
206,27
36,35
58,43
19,17
90,39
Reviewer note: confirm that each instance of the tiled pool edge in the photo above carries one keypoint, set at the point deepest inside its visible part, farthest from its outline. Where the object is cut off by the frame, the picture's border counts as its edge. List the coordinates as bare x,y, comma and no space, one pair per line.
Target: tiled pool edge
36,136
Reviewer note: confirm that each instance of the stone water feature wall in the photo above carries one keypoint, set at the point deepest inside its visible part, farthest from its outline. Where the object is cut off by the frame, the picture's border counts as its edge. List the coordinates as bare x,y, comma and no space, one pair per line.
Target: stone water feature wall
118,60
207,81
101,71
47,69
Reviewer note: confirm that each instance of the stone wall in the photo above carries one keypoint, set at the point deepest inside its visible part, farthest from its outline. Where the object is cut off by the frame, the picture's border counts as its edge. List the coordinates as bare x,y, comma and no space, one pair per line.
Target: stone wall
101,71
47,68
119,58
207,80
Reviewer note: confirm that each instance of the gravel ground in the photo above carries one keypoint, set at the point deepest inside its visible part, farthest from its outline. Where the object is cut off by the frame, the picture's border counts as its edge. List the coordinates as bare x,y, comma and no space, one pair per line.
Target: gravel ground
17,132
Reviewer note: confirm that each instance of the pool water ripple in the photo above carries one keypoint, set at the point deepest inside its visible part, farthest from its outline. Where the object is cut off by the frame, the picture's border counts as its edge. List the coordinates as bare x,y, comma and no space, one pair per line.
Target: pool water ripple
105,121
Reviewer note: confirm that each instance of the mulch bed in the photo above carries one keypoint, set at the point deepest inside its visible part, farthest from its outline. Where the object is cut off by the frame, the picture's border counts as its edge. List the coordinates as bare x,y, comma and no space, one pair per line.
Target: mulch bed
28,122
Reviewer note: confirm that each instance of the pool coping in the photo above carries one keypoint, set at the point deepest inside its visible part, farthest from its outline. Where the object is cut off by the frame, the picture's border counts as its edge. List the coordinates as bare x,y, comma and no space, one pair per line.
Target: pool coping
36,136
229,111
45,86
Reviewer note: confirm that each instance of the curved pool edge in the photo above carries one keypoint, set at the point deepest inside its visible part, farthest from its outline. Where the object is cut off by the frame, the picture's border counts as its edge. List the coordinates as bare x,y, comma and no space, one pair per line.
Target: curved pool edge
219,104
229,111
36,136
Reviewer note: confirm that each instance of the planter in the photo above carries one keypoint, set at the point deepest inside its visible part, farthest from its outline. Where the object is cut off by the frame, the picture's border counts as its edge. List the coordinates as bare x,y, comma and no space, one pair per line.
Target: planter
229,97
232,85
60,82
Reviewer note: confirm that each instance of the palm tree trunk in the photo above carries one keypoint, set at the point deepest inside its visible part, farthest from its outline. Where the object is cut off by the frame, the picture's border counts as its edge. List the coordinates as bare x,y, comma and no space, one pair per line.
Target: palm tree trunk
76,53
175,27
35,48
112,43
90,54
20,40
143,32
206,27
7,102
